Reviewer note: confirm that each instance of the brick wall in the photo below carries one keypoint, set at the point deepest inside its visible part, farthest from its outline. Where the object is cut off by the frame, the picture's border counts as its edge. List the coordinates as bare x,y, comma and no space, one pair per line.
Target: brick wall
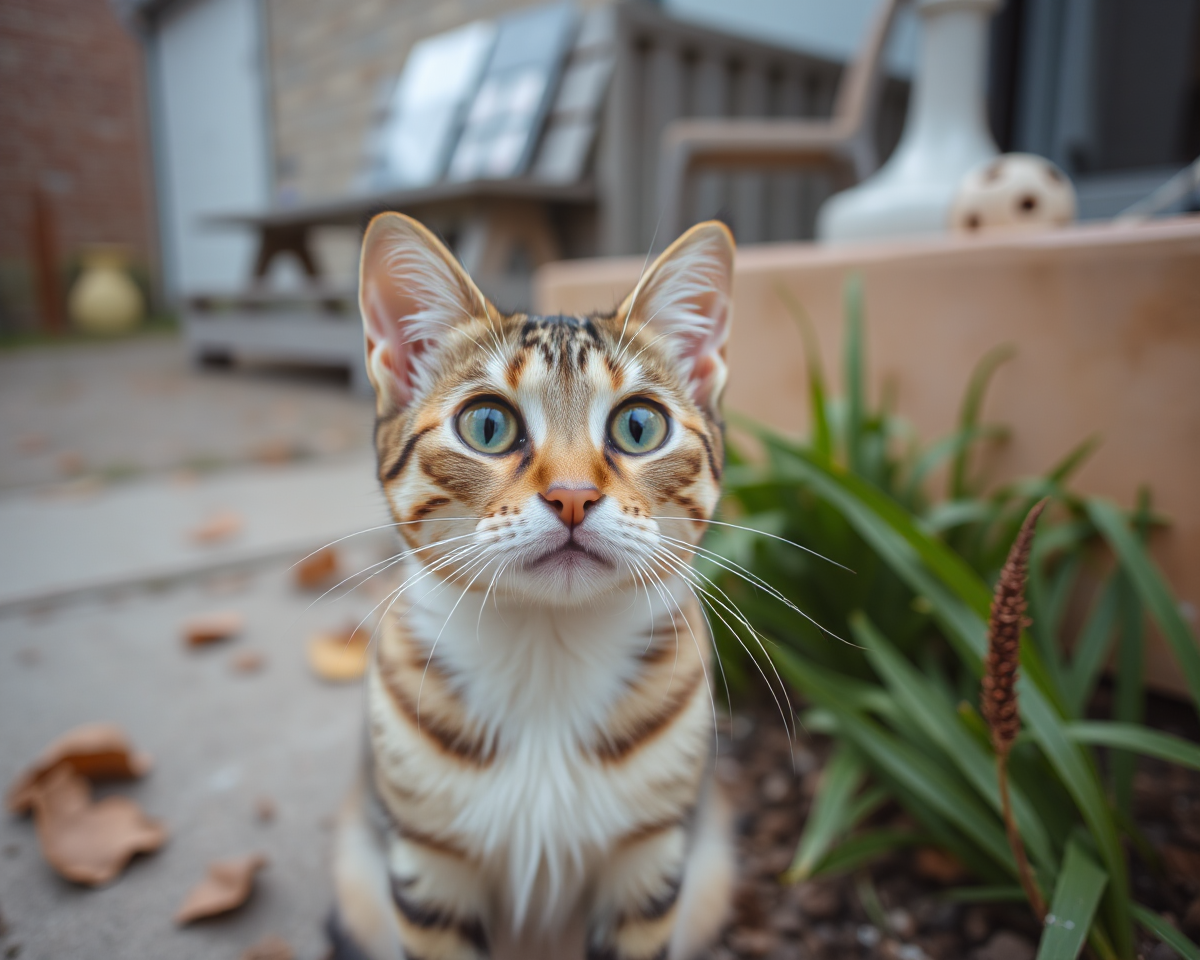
328,59
72,123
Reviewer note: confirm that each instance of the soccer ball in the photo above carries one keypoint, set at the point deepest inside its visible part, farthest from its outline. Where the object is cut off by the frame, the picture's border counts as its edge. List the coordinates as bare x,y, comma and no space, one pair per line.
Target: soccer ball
1016,191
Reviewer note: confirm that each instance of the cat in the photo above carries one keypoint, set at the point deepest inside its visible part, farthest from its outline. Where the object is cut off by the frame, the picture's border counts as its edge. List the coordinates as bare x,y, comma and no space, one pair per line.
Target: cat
538,777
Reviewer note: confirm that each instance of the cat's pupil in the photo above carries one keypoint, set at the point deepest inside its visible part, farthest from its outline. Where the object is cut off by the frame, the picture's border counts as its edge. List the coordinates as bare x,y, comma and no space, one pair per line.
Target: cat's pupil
490,426
637,424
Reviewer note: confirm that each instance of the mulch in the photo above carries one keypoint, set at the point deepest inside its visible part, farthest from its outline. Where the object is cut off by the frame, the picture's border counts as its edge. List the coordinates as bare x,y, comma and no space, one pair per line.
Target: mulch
771,780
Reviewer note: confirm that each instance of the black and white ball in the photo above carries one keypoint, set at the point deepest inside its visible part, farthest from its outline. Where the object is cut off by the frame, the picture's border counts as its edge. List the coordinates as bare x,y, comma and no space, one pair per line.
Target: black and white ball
1015,191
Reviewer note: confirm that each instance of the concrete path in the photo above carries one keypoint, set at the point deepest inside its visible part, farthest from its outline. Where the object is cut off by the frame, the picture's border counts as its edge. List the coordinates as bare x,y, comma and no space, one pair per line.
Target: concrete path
63,543
109,456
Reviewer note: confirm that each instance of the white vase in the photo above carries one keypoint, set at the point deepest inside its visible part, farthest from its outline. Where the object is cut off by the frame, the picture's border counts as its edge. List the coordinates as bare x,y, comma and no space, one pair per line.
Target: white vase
945,135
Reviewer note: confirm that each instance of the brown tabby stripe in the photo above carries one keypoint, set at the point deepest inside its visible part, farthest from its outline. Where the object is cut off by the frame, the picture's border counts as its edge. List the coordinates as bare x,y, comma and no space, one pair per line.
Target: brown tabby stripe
659,906
394,470
708,452
434,918
614,750
430,842
438,730
648,830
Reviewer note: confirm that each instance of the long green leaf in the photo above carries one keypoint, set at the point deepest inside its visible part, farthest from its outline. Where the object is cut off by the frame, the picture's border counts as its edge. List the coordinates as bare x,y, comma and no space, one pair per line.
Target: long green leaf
853,853
932,783
856,390
1151,588
989,894
1091,648
1080,884
1078,775
1166,933
822,438
960,601
831,809
1139,739
941,723
968,417
1129,695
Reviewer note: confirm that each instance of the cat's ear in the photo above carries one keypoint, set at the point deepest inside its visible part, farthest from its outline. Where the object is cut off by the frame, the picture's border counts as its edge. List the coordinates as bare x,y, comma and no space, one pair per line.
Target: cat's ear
685,300
412,294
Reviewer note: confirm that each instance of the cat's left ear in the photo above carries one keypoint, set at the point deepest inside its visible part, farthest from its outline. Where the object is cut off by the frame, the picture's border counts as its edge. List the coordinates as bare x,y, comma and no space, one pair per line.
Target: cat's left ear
413,295
685,300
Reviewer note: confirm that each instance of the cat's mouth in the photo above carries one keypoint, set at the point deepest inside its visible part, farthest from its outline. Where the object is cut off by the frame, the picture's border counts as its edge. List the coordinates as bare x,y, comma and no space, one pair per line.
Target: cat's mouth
570,552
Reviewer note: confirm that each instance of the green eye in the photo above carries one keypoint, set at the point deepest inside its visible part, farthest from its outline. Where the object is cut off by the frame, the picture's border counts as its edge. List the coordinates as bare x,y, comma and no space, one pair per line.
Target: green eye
488,426
638,428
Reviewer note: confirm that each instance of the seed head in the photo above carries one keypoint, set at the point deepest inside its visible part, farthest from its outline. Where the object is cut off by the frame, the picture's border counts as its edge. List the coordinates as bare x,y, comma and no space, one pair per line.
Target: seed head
999,701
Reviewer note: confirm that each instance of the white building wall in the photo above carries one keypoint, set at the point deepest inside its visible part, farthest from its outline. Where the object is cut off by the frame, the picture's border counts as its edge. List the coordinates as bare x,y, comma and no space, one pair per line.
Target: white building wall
212,134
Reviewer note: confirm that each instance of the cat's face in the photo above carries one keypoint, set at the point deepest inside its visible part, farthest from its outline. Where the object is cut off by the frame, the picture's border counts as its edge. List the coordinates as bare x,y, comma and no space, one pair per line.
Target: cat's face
554,458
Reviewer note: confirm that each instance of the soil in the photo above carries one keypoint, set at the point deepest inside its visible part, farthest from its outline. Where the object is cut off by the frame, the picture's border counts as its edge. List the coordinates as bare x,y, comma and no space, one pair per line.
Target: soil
771,781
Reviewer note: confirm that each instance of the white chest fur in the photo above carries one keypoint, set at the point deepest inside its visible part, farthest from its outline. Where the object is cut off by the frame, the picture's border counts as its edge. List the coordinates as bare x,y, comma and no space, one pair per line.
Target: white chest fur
542,682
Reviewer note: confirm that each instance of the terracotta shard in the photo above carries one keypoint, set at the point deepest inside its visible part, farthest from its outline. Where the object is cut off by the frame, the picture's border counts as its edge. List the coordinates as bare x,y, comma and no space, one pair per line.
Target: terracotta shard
98,751
226,886
339,656
219,526
270,948
318,571
212,627
88,842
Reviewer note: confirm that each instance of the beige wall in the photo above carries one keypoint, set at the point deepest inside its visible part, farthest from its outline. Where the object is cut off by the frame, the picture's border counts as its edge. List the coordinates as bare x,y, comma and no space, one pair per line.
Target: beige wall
1106,322
327,60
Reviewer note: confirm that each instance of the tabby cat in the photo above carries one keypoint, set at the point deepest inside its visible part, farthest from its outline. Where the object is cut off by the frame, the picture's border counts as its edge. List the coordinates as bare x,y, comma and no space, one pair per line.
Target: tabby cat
538,775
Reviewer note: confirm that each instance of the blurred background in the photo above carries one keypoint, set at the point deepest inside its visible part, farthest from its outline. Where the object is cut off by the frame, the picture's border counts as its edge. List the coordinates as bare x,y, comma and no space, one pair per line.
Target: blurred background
968,275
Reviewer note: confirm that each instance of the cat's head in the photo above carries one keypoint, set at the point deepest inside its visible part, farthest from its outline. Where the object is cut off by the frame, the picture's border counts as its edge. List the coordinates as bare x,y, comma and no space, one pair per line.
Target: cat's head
556,458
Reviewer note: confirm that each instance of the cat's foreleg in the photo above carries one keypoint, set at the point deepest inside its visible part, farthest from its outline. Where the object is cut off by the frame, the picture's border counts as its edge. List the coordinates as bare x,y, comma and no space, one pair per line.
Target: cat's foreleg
439,900
638,897
400,897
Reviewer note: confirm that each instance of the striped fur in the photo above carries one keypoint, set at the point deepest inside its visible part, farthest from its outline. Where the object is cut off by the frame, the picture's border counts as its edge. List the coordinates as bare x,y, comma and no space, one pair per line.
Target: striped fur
540,719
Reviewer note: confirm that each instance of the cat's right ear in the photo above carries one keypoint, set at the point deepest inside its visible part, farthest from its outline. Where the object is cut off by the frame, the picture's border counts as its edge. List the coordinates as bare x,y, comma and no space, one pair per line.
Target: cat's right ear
413,294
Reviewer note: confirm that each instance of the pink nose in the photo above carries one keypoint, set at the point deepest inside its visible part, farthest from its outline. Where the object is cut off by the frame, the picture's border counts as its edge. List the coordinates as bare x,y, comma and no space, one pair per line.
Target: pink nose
571,505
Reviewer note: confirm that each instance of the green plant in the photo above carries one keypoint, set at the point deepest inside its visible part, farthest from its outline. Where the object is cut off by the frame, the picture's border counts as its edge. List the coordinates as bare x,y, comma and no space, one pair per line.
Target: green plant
891,660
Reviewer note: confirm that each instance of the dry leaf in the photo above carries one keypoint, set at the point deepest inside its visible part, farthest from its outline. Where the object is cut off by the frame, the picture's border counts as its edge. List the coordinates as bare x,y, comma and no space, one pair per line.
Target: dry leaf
98,751
277,451
220,526
318,570
248,662
226,887
1182,865
340,656
89,842
269,948
211,627
933,864
264,809
33,442
71,463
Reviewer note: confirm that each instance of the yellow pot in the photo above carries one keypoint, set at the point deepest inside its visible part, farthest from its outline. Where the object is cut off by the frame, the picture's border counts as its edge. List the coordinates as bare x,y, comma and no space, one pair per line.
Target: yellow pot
104,300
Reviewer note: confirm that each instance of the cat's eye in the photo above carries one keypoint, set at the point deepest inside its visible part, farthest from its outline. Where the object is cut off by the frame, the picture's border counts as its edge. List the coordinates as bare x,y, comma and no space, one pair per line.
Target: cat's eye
489,427
638,427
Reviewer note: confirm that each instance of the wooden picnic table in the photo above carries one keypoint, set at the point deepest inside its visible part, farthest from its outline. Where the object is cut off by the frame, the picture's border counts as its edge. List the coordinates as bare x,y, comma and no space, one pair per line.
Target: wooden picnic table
289,229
